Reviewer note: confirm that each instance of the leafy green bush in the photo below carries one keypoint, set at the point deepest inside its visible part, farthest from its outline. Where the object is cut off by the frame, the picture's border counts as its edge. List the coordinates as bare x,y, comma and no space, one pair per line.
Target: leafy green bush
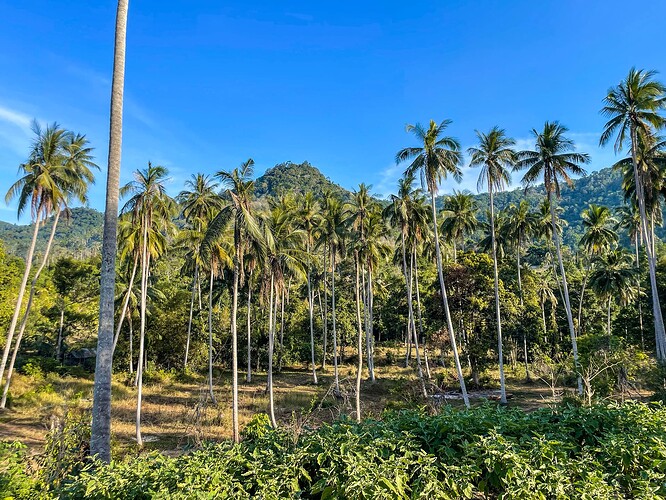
611,451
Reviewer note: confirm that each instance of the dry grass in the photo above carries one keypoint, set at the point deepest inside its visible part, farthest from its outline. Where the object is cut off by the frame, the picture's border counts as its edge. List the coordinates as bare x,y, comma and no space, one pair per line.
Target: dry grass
177,415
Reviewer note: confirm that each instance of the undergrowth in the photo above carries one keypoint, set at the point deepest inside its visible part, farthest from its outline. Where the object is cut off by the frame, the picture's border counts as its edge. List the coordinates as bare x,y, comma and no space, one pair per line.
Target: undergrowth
605,451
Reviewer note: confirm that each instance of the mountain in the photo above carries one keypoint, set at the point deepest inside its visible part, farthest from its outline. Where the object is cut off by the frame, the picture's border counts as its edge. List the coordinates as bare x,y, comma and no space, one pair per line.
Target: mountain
296,178
82,234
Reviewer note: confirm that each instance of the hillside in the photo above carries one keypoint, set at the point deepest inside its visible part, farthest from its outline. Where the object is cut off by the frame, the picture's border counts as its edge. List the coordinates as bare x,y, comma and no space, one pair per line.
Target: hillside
82,234
296,178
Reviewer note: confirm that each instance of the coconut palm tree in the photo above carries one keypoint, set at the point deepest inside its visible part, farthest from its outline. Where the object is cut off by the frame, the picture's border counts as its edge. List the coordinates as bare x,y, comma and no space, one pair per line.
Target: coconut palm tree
597,239
495,155
436,157
554,160
400,213
613,278
633,108
64,162
521,226
100,438
151,209
41,187
333,227
458,218
239,214
309,219
199,201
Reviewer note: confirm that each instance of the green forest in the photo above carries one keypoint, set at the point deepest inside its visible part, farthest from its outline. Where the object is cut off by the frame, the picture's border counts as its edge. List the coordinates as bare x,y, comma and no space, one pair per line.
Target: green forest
281,337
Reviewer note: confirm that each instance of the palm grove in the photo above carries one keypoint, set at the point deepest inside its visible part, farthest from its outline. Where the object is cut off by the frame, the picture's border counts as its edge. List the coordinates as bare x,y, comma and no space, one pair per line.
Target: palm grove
217,277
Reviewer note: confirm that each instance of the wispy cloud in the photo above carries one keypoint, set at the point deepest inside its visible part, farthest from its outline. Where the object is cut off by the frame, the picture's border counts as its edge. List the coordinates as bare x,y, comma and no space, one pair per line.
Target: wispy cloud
14,129
388,180
16,118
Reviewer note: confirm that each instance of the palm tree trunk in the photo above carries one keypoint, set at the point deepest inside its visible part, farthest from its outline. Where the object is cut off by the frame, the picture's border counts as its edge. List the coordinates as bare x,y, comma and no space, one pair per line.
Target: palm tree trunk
248,377
520,294
369,334
131,336
498,314
325,310
234,348
311,311
359,344
412,322
60,328
280,354
660,334
638,295
28,306
445,303
189,321
210,334
128,295
100,437
565,293
608,322
420,316
142,336
335,333
19,299
271,342
582,295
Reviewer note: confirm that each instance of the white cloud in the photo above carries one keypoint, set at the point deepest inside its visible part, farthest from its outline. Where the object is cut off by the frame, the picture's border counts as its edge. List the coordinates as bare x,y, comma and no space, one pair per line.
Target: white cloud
16,118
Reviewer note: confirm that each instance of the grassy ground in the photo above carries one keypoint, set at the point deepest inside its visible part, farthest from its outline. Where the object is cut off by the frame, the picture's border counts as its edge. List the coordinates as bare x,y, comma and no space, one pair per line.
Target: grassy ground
178,414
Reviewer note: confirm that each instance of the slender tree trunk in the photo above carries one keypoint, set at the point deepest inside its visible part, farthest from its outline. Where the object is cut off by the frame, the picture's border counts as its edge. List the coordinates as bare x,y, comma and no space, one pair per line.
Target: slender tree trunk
608,322
325,310
543,318
100,440
582,296
210,334
520,294
131,336
234,348
19,299
565,288
60,328
280,354
189,321
28,306
142,312
420,316
126,300
369,334
335,333
271,342
445,302
311,311
359,365
638,287
248,377
498,314
412,323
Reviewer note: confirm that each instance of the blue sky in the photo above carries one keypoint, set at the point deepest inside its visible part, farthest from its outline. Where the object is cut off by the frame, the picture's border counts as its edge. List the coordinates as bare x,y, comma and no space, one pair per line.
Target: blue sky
210,84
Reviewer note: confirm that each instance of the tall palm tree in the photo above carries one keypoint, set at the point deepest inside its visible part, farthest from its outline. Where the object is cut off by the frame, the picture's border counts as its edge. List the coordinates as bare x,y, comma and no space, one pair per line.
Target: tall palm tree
459,218
100,437
400,214
554,160
495,155
151,209
41,187
70,163
309,217
436,157
598,238
521,226
333,226
239,214
199,201
633,108
613,278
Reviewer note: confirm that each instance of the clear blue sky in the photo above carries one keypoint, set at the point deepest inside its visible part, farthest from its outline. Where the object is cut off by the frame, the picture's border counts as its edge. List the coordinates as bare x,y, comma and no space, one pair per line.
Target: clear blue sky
210,83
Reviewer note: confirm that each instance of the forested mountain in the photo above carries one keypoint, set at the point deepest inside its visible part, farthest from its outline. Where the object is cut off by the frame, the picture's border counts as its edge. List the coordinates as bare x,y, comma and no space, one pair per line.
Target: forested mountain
82,234
79,235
